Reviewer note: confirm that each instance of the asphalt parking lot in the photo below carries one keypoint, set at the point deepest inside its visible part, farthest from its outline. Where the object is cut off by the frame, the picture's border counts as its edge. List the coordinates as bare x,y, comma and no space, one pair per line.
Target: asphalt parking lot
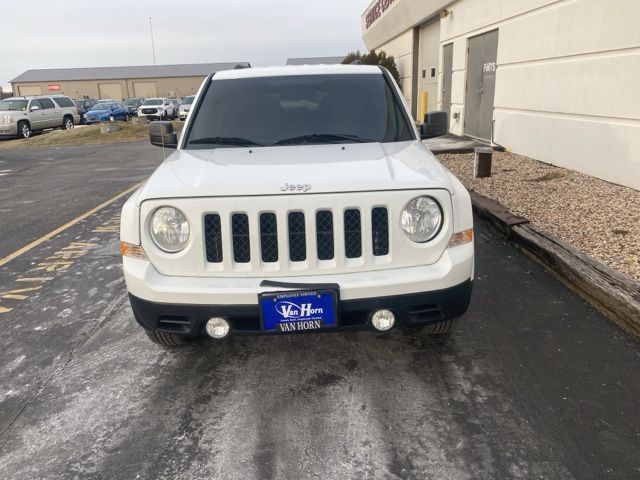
533,384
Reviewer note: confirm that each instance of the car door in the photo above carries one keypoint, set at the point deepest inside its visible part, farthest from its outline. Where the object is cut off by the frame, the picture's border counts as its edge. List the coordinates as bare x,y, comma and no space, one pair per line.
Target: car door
36,117
52,113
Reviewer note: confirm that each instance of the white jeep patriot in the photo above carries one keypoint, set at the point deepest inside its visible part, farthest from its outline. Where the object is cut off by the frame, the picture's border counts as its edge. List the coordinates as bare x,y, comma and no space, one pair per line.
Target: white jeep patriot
298,199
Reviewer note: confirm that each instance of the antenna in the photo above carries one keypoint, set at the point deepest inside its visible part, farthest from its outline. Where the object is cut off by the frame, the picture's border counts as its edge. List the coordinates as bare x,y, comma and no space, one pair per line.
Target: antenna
155,73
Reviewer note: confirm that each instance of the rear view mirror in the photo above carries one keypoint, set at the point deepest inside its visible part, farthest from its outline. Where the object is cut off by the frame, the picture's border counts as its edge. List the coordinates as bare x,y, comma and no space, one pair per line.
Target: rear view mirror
34,108
435,124
162,134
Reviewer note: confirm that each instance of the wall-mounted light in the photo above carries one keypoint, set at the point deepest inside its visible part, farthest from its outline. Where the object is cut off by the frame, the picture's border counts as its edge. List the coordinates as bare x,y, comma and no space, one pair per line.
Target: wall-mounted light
445,12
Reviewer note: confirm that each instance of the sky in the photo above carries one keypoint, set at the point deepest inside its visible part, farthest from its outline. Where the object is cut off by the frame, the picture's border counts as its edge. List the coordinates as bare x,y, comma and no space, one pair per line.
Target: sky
104,33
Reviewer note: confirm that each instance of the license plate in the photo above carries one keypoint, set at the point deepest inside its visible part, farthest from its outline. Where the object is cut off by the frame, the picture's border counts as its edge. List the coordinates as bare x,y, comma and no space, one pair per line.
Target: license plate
298,311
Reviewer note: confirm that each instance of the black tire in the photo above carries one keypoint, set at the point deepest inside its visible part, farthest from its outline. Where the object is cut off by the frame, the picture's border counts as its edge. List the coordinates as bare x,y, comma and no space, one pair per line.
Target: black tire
126,117
24,129
67,123
165,339
440,328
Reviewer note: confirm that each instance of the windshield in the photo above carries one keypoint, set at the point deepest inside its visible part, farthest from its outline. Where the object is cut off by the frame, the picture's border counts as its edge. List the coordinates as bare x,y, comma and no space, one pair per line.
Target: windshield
300,109
153,101
188,100
131,101
101,106
13,105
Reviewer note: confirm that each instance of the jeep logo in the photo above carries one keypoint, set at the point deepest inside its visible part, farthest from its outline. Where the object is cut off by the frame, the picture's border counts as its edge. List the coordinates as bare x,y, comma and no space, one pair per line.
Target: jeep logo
295,187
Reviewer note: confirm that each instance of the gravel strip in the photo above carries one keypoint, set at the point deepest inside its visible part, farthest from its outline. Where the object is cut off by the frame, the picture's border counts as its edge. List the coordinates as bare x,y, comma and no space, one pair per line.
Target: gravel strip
599,218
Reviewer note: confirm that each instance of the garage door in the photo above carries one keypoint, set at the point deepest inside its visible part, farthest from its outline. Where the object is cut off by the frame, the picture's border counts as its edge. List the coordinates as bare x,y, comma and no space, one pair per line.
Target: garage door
144,89
110,90
30,90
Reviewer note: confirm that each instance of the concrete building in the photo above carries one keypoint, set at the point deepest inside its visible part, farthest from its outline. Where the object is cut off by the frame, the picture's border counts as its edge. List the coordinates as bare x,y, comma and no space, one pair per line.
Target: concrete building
314,60
119,82
555,80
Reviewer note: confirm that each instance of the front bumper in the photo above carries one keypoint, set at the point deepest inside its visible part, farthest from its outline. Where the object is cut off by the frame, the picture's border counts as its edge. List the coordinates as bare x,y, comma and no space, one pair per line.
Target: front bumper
414,309
442,288
10,130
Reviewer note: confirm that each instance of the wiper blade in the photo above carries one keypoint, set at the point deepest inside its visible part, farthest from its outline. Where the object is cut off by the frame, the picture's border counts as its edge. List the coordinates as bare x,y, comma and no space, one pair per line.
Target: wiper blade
236,141
323,138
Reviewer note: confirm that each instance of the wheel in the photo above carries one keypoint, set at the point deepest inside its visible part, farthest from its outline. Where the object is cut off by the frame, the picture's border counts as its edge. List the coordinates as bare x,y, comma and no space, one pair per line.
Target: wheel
24,130
163,116
67,123
126,117
165,339
439,328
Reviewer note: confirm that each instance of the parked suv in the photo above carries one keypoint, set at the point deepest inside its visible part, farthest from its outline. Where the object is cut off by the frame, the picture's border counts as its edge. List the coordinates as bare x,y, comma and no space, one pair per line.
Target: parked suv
84,105
157,109
185,106
19,116
321,210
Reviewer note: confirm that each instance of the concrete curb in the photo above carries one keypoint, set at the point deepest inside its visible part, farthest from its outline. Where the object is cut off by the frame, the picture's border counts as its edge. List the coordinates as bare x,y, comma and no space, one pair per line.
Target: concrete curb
613,293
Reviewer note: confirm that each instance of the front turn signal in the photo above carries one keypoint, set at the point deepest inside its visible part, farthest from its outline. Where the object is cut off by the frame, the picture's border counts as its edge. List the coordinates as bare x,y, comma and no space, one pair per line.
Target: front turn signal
460,238
134,251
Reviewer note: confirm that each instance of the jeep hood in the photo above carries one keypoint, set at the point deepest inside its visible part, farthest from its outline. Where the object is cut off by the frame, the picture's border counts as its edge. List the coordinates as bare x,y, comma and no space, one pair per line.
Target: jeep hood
324,168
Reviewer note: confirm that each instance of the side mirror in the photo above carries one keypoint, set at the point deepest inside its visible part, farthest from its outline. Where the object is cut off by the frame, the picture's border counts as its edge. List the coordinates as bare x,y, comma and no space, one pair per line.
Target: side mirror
34,108
163,134
435,124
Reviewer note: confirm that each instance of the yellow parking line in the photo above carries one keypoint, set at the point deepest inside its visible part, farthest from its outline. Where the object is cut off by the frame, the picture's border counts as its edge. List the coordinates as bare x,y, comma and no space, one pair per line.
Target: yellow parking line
58,230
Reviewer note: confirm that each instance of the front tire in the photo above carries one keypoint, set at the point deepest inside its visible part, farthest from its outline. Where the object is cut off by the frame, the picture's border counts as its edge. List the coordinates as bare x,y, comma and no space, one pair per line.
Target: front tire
24,130
67,123
165,339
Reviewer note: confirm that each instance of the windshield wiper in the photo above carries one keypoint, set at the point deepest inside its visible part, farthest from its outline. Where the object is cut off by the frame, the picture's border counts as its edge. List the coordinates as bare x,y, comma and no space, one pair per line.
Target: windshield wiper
240,142
323,138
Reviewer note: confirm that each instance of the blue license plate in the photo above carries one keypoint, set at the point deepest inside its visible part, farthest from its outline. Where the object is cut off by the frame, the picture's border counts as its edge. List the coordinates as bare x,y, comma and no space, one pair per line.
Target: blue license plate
298,311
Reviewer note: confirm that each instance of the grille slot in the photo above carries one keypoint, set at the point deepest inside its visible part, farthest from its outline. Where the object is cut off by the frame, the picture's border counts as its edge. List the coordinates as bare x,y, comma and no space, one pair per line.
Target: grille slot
324,235
269,237
241,243
352,233
380,231
213,238
297,237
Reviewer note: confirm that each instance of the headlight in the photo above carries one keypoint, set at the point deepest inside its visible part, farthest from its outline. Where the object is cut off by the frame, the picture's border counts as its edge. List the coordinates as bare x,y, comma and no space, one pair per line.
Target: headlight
421,219
169,229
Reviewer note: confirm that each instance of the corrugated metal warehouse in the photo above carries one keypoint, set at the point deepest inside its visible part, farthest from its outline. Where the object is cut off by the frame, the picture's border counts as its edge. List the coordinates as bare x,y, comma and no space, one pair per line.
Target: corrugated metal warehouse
119,82
555,80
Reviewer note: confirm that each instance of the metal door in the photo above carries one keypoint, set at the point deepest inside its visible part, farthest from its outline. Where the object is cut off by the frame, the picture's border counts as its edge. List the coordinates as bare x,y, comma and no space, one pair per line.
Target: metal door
447,78
481,85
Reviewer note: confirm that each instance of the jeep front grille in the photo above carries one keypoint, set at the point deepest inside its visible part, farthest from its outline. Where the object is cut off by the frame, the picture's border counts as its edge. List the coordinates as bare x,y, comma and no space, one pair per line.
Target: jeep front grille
296,236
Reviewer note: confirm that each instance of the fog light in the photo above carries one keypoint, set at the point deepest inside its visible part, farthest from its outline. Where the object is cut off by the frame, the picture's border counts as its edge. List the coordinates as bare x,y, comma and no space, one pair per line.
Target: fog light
217,327
383,320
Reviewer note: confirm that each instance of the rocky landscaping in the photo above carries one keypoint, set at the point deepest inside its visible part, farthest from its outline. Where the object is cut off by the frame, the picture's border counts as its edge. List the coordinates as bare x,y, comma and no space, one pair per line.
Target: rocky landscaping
599,218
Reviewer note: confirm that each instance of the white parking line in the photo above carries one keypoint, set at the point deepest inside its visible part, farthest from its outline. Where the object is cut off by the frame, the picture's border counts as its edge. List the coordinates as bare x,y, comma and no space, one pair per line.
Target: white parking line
4,172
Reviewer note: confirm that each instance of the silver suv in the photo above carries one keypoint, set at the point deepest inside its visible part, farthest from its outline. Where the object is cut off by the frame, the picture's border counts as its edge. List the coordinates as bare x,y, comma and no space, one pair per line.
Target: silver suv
20,116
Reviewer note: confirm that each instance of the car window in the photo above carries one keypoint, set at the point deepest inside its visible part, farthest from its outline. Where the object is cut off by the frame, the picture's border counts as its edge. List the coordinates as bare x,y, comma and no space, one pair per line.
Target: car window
153,101
63,101
46,103
188,100
299,109
101,106
13,105
35,103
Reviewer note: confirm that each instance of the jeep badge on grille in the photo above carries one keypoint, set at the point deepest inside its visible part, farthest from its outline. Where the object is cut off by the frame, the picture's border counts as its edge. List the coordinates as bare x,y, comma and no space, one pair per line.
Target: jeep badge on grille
292,187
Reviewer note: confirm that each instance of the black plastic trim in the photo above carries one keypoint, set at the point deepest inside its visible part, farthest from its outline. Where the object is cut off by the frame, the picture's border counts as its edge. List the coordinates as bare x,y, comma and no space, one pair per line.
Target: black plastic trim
410,309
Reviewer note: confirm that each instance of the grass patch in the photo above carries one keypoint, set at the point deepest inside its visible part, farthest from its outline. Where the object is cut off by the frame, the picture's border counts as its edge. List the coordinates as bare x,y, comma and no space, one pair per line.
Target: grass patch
85,135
